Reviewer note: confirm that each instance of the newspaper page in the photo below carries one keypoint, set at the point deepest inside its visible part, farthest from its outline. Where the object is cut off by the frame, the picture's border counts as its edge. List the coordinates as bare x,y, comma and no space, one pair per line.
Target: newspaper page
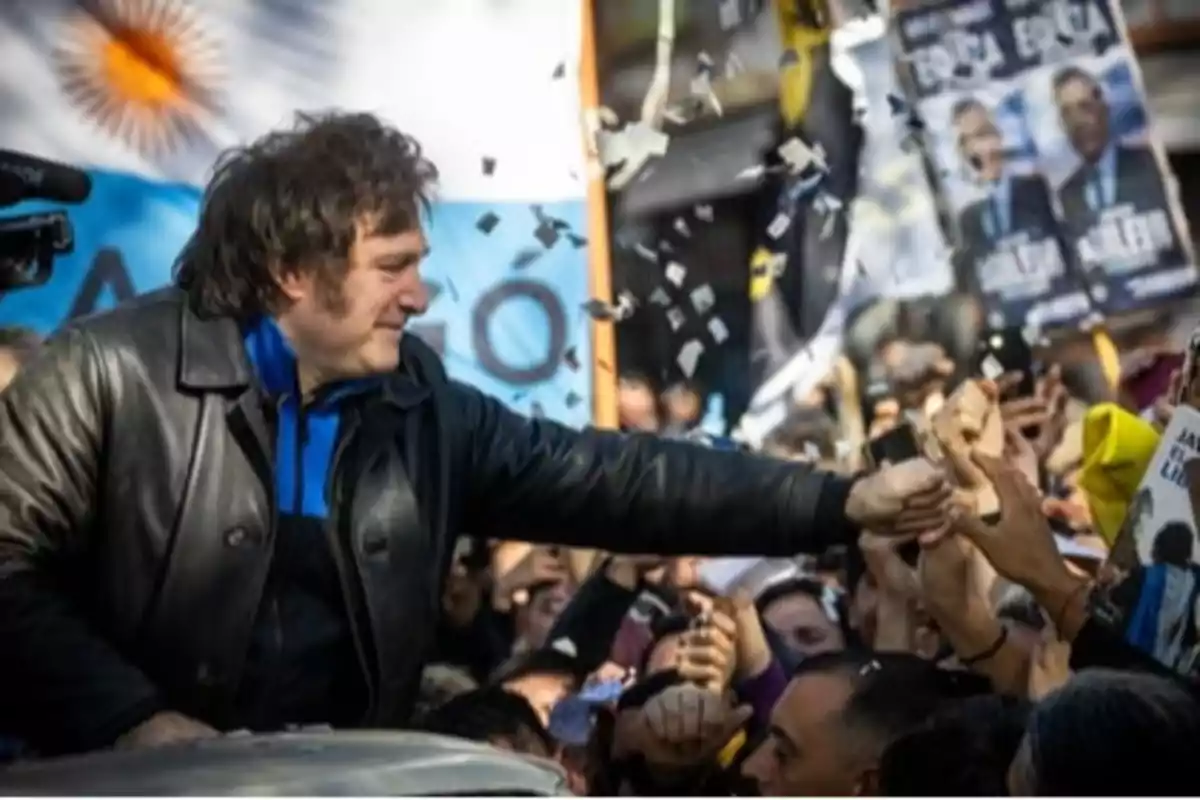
965,75
1112,190
1156,553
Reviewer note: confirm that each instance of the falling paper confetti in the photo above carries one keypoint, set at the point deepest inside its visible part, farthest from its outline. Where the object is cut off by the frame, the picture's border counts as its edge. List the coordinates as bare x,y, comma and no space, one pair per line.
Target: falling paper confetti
572,399
646,252
789,58
487,223
897,104
779,225
599,310
681,227
536,411
730,14
689,357
676,317
576,240
799,156
560,71
629,149
675,273
716,327
571,359
525,257
703,298
704,213
659,297
547,235
489,165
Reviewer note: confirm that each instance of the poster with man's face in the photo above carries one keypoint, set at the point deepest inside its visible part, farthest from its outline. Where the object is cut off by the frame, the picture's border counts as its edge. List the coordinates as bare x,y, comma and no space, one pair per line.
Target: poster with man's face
1116,200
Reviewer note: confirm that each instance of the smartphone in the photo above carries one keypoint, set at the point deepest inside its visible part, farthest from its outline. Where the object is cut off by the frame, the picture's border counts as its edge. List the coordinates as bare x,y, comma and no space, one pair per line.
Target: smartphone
1002,350
1147,386
898,444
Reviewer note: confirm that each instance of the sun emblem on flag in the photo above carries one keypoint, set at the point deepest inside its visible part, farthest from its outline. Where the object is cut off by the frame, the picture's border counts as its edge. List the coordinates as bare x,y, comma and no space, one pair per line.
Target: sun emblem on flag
145,71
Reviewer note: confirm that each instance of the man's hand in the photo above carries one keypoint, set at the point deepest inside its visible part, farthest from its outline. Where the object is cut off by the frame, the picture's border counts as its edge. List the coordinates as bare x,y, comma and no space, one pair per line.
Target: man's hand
681,726
753,652
707,655
953,593
892,575
164,728
1049,668
539,565
1045,410
903,499
1020,545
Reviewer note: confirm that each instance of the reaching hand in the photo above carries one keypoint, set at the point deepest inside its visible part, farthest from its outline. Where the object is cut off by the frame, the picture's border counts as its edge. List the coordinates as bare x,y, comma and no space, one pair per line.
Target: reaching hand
902,499
1020,545
891,574
753,652
951,586
967,424
681,726
707,654
539,565
1049,668
165,728
1045,410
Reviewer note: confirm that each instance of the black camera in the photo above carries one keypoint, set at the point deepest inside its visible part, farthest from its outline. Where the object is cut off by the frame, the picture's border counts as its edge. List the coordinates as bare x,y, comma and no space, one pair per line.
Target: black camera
30,243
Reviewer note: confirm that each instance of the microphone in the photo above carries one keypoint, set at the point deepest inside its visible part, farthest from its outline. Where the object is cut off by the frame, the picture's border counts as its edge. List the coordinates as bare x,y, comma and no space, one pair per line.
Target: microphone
25,177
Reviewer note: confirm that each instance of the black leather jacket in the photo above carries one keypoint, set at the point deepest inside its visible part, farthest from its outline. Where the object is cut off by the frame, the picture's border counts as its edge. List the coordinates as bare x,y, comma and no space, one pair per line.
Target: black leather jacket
137,516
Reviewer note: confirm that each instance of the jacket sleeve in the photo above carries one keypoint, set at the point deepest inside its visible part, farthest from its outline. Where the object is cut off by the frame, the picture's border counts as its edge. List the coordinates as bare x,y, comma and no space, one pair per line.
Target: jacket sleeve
540,481
62,686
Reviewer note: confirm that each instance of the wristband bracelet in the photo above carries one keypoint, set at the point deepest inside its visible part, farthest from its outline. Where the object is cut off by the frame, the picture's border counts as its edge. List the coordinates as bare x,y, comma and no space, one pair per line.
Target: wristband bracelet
990,652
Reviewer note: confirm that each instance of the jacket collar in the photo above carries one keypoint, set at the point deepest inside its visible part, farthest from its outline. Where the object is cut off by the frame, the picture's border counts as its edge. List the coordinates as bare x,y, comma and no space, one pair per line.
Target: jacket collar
214,356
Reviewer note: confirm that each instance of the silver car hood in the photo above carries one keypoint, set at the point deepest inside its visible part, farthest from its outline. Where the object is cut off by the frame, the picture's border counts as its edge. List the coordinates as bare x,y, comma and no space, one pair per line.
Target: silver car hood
343,763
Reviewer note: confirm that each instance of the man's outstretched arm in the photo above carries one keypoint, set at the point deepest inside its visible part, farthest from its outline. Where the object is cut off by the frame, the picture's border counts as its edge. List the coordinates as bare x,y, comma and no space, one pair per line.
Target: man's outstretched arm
540,481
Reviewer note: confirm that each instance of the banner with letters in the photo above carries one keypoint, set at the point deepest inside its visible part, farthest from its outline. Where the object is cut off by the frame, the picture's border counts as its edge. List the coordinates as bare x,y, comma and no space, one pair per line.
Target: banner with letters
145,95
1033,116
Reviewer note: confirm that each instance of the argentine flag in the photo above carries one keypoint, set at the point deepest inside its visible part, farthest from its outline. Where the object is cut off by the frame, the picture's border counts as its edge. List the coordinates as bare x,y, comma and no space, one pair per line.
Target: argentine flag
144,94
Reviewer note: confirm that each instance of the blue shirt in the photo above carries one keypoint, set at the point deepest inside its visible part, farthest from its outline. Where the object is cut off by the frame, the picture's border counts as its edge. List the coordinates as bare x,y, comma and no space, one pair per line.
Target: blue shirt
302,666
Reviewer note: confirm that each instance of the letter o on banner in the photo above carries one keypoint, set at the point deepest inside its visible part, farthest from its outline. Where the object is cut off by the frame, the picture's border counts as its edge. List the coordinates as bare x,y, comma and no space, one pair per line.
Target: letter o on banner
556,321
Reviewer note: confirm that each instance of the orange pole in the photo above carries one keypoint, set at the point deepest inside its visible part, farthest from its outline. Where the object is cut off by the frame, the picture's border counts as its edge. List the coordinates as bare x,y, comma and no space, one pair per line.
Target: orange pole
604,338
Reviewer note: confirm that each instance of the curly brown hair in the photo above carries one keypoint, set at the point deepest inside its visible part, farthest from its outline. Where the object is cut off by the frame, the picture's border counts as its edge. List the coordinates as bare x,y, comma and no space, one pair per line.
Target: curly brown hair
291,202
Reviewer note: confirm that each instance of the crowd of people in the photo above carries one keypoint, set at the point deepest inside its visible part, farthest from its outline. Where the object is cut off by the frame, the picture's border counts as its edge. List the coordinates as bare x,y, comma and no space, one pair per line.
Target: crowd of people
248,502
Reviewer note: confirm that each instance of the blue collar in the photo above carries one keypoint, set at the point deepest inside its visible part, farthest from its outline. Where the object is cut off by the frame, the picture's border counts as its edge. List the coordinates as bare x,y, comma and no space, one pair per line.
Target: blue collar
274,363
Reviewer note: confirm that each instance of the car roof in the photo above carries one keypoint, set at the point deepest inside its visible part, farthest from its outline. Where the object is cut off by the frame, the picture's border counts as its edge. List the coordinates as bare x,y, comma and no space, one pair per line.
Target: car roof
342,763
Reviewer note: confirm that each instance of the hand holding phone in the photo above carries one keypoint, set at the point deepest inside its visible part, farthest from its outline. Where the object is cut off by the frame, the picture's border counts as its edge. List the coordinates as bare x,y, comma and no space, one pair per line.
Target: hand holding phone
969,424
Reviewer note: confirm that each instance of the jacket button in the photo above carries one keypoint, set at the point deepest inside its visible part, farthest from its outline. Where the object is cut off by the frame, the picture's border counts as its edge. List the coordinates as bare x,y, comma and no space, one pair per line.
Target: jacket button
235,537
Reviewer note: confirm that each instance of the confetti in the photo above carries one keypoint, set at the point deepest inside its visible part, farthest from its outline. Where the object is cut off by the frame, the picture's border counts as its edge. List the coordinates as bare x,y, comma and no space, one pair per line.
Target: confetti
676,318
646,252
489,165
1064,38
629,149
536,411
450,287
704,213
433,289
730,14
827,227
576,240
659,297
626,305
779,225
547,235
525,257
812,452
571,359
666,247
689,357
599,310
676,272
560,71
572,399
681,227
704,62
716,327
897,104
789,58
487,223
733,66
703,298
